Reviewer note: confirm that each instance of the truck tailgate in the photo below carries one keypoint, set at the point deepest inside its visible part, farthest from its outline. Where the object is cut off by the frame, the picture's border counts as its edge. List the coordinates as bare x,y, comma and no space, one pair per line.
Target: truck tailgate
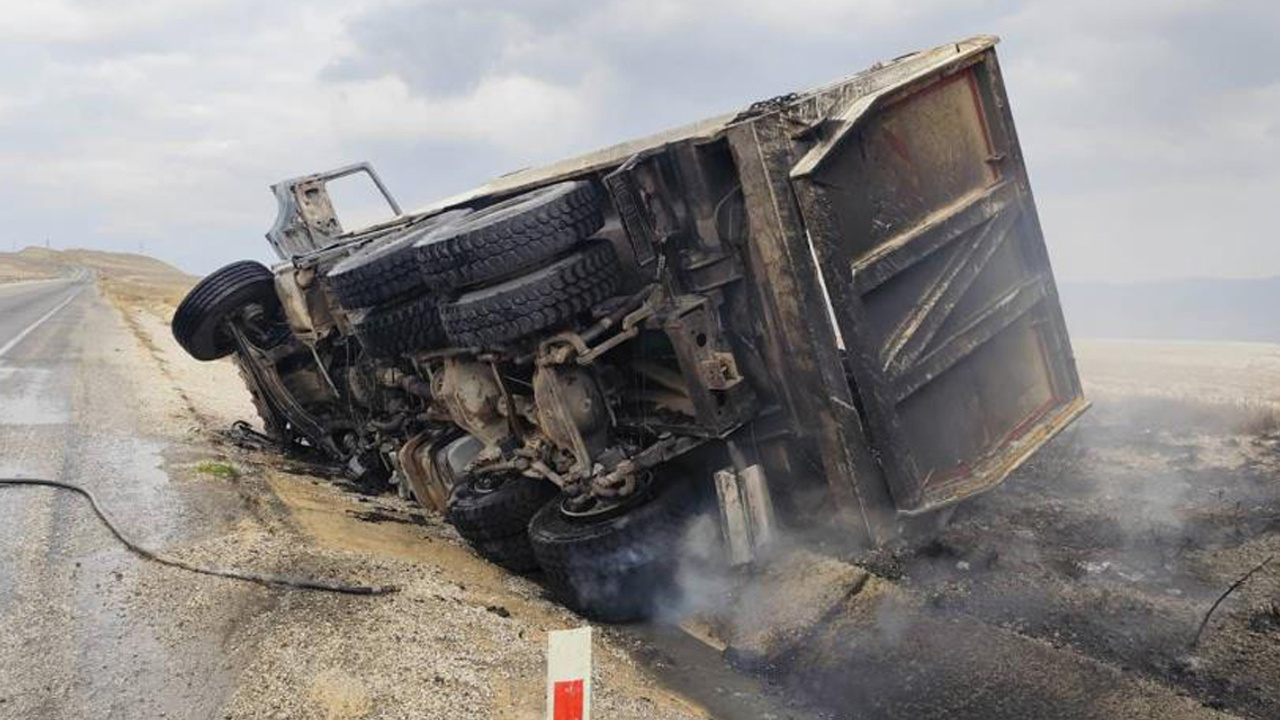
917,207
896,245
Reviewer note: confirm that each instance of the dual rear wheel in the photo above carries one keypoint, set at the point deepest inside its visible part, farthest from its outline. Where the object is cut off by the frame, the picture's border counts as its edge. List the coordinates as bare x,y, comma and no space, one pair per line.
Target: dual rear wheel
611,568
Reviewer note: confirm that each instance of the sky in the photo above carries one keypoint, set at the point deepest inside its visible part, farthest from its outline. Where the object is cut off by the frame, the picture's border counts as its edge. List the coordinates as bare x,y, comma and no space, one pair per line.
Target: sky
1151,130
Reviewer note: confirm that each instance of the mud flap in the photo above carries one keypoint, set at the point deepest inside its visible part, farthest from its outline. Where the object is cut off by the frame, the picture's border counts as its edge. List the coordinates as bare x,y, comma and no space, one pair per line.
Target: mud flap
746,514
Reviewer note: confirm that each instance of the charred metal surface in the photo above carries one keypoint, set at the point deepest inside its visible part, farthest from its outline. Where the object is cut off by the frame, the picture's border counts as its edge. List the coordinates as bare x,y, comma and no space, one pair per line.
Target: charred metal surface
305,218
294,419
709,373
631,188
938,275
429,478
803,345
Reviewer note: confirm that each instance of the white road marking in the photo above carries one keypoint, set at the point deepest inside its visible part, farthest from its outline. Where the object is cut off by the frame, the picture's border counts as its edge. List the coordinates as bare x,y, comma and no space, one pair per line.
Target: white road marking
4,349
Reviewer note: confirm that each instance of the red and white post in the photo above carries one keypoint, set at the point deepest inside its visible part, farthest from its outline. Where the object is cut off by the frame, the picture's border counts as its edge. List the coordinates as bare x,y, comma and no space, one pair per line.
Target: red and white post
569,674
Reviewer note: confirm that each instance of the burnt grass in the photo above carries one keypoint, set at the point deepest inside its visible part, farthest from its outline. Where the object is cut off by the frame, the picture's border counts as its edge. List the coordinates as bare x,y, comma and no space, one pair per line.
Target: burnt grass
1108,547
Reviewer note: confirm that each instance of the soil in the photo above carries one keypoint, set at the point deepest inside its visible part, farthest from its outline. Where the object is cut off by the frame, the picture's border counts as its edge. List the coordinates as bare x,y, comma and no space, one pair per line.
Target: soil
1075,589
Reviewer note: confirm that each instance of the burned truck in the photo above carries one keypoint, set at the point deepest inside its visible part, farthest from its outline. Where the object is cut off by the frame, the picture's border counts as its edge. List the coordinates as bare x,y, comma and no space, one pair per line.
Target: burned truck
832,308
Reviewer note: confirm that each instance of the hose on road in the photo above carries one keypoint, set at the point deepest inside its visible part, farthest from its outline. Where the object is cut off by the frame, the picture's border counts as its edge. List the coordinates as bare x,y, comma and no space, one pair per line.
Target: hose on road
267,579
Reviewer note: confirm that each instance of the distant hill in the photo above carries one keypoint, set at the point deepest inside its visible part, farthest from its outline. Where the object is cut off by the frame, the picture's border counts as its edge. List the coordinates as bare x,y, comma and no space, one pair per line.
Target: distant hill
27,266
125,274
1192,309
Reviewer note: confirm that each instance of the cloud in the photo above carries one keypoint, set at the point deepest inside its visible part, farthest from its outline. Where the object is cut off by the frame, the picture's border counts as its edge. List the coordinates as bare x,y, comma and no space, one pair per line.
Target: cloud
1151,129
509,112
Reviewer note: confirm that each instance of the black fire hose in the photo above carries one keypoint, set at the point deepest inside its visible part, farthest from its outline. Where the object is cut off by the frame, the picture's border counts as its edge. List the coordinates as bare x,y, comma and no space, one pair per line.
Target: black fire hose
260,578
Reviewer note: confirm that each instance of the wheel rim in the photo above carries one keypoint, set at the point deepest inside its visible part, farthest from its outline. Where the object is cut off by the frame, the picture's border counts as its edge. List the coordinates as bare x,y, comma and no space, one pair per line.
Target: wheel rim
489,483
575,509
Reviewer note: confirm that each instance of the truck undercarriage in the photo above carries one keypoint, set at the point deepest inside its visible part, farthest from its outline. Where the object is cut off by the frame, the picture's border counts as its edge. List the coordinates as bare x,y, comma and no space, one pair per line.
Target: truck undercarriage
835,303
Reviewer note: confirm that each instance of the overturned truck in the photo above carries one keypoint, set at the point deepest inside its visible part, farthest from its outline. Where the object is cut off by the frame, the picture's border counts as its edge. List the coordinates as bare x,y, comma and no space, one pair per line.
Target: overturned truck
833,307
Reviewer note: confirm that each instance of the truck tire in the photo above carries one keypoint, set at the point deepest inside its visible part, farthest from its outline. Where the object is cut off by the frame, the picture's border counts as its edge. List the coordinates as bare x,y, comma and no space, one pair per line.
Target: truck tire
386,270
621,568
492,514
541,299
197,323
517,234
512,553
392,330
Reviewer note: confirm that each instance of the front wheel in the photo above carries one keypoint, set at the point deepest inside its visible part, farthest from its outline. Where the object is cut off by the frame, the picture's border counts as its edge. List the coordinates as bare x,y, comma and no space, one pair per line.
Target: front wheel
199,322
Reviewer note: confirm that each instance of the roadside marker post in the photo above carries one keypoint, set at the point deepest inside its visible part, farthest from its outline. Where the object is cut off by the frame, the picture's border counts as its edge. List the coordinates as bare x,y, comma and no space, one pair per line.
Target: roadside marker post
569,674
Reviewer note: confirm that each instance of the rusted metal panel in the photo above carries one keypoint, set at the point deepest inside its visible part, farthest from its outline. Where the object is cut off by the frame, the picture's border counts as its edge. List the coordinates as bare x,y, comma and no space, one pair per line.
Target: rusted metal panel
842,125
920,213
305,218
804,347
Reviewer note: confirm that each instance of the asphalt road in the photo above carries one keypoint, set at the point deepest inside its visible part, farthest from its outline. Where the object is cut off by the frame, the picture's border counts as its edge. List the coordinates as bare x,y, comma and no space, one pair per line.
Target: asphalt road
24,307
79,638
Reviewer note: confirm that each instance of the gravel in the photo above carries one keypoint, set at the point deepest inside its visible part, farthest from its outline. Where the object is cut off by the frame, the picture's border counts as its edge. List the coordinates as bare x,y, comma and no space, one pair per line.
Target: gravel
462,638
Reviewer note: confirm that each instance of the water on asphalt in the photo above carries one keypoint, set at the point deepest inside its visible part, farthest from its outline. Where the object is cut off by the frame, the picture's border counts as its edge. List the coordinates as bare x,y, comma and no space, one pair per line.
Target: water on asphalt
80,640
